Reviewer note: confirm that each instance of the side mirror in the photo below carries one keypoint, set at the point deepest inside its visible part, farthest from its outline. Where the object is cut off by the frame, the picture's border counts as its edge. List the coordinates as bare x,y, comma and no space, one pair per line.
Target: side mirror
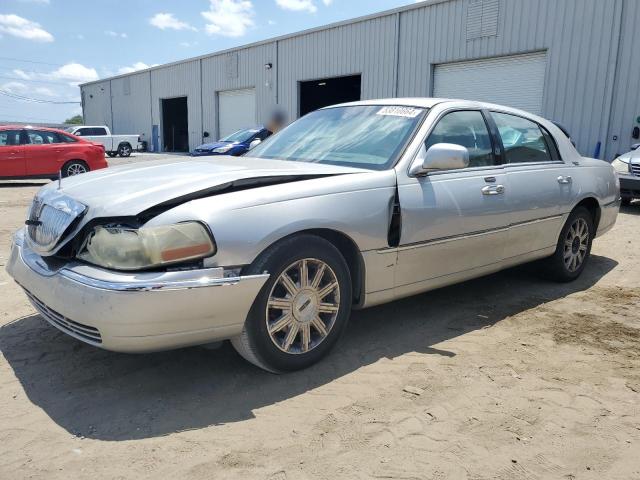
635,146
441,156
254,143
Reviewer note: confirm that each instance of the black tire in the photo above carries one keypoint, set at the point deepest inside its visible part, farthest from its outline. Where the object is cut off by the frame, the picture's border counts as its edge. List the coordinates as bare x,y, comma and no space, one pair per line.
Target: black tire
256,344
74,167
556,266
124,150
625,202
112,154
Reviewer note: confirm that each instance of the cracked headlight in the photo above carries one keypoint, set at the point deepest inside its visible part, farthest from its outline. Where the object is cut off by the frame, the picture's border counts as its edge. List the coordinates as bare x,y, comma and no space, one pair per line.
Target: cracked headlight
620,165
124,248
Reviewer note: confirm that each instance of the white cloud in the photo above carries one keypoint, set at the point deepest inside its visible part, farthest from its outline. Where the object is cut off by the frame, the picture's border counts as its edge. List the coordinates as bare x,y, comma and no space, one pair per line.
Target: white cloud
230,18
135,67
23,28
271,22
47,92
167,21
188,44
74,72
329,2
297,5
14,87
111,33
22,74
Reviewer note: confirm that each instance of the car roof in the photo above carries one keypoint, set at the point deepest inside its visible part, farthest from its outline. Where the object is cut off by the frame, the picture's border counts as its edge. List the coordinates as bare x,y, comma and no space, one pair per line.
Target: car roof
30,127
429,102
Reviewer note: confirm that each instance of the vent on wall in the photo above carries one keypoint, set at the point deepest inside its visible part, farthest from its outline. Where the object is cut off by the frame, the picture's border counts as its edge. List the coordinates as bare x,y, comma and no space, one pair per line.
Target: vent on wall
482,18
232,65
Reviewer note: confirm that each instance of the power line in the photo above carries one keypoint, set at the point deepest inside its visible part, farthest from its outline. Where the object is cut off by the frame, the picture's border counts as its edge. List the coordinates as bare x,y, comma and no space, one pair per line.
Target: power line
34,100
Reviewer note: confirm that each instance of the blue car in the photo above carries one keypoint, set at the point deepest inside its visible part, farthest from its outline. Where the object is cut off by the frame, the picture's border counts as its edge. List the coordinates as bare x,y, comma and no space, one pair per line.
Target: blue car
235,144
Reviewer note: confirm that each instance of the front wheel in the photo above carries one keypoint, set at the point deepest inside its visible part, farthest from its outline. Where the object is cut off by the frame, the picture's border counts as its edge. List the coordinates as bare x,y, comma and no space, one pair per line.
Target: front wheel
112,154
573,248
301,310
124,150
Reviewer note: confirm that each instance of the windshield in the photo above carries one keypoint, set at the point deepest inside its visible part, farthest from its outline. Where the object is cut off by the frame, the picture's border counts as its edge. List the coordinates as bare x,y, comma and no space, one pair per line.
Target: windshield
361,136
69,129
240,135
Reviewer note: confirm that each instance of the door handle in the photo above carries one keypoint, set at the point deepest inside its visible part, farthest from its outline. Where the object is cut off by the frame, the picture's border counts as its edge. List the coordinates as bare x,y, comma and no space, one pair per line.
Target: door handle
564,180
493,190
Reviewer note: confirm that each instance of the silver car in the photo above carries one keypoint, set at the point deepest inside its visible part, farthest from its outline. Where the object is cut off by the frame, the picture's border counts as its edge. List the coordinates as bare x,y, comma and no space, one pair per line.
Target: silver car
350,206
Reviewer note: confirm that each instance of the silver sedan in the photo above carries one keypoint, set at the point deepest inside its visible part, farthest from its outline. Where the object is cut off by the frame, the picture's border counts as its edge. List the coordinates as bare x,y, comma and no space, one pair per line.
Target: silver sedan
350,206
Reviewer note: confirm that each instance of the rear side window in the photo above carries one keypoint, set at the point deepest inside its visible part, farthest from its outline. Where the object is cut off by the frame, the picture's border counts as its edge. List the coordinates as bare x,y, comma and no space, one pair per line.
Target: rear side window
523,140
97,131
468,129
40,137
9,137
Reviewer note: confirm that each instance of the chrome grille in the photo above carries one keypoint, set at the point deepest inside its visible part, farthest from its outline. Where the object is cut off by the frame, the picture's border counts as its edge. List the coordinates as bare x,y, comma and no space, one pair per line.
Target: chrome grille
50,215
51,225
634,168
75,329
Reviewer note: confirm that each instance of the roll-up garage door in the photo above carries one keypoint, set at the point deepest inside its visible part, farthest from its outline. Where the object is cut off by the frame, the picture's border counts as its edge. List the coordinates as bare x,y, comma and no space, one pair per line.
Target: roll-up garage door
236,110
515,81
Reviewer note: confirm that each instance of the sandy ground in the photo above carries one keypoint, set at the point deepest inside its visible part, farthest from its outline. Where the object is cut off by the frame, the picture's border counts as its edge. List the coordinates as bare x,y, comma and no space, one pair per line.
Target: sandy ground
518,378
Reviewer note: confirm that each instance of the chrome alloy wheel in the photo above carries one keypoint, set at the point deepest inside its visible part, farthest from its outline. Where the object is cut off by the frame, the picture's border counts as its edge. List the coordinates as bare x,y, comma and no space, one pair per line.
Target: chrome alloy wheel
303,306
76,169
575,244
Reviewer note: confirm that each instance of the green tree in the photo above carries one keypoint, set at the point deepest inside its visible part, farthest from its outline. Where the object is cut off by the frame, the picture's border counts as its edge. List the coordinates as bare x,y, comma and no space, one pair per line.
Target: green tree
75,120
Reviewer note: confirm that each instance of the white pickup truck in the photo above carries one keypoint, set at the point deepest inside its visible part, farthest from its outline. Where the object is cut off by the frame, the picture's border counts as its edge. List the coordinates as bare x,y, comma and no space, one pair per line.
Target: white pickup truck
114,145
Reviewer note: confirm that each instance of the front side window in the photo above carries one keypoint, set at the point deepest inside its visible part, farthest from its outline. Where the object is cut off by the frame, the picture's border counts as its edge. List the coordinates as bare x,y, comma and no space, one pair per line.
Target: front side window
467,129
523,140
360,136
9,138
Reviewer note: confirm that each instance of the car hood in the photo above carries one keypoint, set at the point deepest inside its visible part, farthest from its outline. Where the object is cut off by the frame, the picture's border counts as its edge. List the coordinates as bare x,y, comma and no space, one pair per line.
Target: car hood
128,190
211,146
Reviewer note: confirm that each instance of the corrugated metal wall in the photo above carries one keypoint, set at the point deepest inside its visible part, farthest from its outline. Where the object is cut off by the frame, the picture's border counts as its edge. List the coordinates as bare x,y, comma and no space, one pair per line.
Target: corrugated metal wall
396,53
243,68
180,80
626,95
578,35
367,48
131,96
96,103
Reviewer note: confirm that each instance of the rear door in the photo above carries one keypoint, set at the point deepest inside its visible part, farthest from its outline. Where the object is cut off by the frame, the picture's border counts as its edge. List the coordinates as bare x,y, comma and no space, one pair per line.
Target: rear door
454,221
11,154
540,181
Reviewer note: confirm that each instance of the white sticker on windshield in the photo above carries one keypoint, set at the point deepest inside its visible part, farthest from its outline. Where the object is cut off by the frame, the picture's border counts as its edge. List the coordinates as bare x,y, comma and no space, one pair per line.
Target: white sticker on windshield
396,111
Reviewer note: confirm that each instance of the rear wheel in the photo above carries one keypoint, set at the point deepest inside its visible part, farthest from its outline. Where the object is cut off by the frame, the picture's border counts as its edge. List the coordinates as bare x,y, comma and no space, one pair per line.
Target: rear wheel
74,167
573,248
301,310
124,150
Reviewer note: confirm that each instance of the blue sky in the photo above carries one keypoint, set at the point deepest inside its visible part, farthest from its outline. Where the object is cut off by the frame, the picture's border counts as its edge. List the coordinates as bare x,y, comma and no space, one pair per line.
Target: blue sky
47,47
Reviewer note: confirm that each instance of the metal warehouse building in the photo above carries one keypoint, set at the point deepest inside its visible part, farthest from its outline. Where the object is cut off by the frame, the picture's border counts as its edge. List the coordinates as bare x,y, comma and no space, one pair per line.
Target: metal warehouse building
573,61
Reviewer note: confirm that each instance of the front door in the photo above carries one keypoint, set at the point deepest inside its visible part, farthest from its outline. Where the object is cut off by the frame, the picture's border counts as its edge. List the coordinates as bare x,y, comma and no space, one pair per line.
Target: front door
11,154
454,222
41,151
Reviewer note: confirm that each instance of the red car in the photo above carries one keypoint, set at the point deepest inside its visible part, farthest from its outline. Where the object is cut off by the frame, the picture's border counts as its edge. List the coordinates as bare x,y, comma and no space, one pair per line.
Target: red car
38,152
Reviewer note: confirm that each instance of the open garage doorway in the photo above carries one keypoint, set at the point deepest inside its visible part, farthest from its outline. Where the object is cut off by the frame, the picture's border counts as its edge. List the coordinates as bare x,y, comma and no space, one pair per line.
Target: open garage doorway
175,125
320,93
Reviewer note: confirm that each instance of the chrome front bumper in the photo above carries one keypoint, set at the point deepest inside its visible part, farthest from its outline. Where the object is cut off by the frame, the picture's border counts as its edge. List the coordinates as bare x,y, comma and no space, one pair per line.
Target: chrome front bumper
134,312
